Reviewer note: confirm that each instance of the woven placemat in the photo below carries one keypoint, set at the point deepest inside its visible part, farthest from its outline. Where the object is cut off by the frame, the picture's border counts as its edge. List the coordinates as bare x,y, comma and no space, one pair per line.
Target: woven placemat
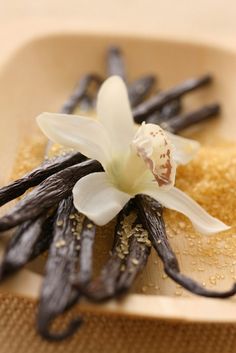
108,333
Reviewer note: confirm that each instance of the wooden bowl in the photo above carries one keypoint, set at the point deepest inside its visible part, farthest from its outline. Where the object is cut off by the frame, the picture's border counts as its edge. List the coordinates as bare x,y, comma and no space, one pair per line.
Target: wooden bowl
38,78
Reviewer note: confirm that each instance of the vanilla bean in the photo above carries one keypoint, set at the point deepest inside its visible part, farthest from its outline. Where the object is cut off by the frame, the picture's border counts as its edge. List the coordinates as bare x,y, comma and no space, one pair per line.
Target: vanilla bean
47,194
57,293
183,121
80,92
79,95
129,255
104,286
34,236
158,101
134,264
37,175
87,103
115,63
150,213
87,238
31,239
140,88
169,111
45,239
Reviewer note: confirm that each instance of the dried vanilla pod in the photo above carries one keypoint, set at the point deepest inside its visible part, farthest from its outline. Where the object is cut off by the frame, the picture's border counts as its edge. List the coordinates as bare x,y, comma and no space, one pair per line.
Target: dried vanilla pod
139,250
104,286
183,121
31,239
169,111
87,238
45,239
139,89
47,194
80,92
150,213
115,63
129,255
34,236
80,95
158,101
87,103
37,175
57,293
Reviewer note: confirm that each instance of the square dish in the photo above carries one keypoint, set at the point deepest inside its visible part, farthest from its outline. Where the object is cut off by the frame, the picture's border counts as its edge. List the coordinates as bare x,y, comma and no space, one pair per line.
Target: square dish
38,77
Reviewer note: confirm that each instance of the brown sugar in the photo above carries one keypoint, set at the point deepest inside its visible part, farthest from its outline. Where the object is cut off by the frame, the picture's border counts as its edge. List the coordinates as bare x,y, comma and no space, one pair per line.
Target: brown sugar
30,155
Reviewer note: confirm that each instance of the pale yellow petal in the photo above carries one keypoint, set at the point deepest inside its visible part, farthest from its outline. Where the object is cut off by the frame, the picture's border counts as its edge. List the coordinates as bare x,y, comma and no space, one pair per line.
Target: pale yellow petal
83,134
98,199
177,200
114,112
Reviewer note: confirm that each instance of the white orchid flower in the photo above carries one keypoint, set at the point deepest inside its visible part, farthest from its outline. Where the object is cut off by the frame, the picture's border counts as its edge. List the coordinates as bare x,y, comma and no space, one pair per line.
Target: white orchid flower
135,161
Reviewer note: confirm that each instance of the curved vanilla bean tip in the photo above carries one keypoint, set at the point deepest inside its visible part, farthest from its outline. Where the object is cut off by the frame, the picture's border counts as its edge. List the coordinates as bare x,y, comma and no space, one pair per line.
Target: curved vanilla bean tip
80,92
43,327
150,213
115,62
183,121
47,194
37,175
195,287
57,293
140,88
158,101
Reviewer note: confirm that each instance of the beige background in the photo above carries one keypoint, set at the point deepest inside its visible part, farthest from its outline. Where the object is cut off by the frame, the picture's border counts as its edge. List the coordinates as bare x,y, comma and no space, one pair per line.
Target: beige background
200,19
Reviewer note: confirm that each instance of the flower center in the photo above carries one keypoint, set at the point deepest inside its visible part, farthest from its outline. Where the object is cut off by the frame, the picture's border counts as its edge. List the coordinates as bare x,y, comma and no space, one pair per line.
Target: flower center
128,172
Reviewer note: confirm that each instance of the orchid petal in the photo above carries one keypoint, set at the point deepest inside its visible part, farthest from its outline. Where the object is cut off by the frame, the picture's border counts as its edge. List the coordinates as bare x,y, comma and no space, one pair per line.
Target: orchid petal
83,134
185,149
96,197
153,146
177,200
114,112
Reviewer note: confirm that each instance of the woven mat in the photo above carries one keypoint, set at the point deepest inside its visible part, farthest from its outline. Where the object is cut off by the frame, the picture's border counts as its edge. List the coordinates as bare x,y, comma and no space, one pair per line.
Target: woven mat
110,333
